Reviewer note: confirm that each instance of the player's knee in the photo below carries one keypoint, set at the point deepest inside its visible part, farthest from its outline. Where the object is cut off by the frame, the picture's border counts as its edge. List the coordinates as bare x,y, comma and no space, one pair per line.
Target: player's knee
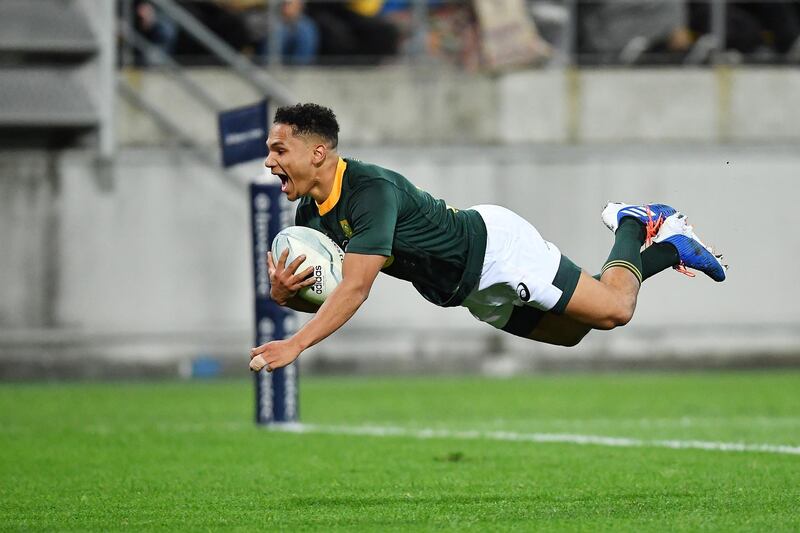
620,315
617,314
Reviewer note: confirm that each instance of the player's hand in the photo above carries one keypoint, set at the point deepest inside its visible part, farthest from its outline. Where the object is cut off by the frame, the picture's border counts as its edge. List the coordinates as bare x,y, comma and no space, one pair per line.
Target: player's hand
283,279
272,355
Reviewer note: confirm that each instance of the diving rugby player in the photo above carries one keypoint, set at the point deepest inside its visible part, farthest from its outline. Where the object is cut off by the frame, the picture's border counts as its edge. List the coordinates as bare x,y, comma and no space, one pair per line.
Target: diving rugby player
486,258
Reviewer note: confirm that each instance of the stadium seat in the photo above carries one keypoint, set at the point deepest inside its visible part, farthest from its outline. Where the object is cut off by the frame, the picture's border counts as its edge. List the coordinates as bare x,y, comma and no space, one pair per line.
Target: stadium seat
47,48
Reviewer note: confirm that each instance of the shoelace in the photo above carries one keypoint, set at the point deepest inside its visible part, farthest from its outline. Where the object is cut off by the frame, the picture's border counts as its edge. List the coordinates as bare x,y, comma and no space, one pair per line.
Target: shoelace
680,267
652,226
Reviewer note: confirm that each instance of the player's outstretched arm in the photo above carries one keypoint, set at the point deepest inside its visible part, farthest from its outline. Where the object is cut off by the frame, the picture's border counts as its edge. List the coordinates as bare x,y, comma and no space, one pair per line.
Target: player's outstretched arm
358,274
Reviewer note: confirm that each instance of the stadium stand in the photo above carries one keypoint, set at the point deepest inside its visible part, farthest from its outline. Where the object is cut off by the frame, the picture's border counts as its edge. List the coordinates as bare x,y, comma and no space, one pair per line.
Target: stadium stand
45,26
52,85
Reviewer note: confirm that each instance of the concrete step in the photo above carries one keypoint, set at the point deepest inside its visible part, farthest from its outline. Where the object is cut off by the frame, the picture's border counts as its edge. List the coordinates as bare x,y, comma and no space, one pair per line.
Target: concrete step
44,97
45,26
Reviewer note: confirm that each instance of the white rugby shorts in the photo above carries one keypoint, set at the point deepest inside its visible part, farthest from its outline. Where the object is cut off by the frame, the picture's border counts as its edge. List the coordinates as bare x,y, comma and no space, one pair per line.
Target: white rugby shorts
518,269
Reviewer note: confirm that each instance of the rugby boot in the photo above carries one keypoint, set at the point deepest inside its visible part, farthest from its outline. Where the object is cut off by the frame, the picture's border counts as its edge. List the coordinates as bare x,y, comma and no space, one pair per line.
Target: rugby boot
651,215
691,250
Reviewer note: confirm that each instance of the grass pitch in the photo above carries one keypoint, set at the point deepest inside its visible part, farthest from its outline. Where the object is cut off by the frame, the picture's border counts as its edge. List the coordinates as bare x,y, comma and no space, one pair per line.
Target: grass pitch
186,456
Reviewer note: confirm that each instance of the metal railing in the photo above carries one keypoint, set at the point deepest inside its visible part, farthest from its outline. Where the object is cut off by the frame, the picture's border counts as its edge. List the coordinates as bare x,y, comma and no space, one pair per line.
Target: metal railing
567,49
170,66
258,78
261,81
421,24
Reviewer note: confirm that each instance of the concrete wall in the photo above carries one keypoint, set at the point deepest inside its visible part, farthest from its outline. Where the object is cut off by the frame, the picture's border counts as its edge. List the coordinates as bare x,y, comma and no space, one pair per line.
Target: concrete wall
146,259
737,197
413,106
28,187
153,259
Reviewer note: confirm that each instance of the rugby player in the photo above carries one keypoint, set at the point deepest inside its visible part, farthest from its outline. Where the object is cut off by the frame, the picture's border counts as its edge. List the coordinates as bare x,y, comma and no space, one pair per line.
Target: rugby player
486,258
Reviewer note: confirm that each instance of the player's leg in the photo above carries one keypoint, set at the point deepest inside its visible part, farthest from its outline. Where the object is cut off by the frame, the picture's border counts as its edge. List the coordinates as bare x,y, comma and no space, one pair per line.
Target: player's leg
591,305
564,310
675,245
528,288
607,303
607,300
586,303
658,257
523,277
545,326
610,301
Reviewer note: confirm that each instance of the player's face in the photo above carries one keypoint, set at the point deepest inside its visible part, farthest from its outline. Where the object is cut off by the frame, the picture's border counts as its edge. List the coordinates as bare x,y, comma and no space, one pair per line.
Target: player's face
290,159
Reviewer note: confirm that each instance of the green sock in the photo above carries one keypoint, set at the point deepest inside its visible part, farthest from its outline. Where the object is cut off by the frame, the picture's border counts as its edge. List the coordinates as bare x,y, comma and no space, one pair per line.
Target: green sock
626,252
658,257
655,258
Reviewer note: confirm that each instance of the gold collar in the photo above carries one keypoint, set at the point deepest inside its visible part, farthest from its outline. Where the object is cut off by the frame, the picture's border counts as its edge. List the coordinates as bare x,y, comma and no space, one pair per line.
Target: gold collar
330,202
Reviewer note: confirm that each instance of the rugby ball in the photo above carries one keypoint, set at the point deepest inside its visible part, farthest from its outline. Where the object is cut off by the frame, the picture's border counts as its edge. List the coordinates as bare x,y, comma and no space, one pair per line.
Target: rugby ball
321,253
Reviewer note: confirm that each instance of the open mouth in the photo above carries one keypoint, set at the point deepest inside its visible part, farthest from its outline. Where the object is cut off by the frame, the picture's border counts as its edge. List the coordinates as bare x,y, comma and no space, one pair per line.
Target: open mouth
284,180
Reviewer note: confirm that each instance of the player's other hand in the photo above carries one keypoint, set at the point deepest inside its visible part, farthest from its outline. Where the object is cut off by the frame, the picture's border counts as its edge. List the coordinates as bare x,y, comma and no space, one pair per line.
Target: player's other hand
284,279
273,355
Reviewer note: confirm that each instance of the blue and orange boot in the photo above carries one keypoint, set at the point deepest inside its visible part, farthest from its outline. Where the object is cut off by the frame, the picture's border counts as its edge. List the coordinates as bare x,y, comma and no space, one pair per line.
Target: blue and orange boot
651,215
691,250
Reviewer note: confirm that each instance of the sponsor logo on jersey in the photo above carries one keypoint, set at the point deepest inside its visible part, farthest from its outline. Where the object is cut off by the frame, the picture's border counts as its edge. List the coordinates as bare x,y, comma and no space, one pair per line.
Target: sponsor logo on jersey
523,292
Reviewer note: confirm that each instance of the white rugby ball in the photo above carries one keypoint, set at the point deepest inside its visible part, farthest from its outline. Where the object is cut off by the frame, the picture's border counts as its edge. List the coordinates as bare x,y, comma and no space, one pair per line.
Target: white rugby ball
321,253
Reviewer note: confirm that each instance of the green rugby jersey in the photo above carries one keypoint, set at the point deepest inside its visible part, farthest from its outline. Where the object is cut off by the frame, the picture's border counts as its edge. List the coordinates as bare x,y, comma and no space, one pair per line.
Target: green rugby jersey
372,210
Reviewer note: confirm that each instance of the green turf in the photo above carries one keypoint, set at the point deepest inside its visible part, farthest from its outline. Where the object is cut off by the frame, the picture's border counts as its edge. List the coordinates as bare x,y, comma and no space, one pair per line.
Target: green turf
185,456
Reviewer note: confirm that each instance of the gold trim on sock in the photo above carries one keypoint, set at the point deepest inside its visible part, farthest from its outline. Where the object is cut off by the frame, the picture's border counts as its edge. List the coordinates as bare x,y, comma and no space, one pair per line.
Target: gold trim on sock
623,264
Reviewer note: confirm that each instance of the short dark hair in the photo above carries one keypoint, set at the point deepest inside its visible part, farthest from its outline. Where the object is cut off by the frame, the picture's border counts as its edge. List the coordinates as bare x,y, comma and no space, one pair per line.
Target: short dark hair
310,119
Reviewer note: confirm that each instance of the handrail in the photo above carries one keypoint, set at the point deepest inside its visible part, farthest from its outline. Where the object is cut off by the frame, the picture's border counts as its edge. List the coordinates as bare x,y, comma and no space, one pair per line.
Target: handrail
140,43
259,79
125,89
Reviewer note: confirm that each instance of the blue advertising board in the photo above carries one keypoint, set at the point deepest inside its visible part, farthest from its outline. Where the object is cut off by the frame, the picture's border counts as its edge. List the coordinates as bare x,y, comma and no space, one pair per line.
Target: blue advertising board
243,134
276,392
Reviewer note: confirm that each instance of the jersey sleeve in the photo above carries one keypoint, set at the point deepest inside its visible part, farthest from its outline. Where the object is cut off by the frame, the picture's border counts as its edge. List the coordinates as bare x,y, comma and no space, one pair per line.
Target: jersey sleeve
373,216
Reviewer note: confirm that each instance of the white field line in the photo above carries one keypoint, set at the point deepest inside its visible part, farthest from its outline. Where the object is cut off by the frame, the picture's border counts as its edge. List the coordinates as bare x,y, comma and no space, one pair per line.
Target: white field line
560,426
510,436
